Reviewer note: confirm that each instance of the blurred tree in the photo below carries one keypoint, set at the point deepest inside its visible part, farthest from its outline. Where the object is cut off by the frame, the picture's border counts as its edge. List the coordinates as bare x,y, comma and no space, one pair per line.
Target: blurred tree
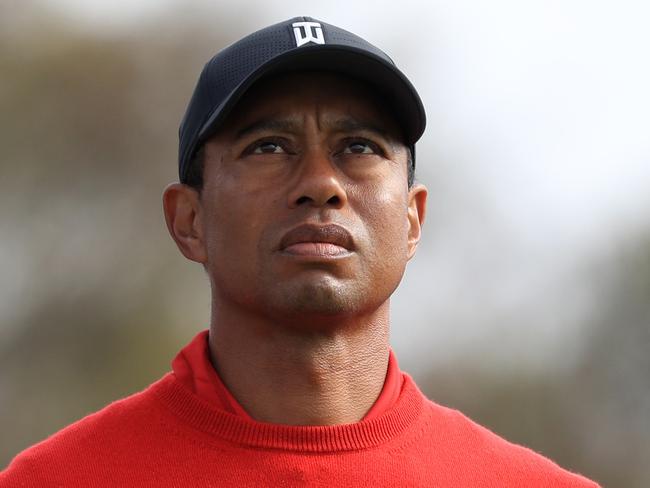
614,376
90,282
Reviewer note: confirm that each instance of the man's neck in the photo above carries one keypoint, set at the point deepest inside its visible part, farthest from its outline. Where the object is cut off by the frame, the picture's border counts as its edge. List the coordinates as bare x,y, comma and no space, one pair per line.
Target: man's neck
298,375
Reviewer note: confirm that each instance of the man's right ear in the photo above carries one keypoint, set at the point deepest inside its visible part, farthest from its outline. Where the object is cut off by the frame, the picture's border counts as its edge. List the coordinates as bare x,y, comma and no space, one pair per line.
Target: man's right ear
182,207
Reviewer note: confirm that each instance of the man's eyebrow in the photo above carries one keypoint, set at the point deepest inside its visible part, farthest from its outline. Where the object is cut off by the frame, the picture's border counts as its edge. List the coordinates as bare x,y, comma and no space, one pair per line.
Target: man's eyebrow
351,124
291,125
271,125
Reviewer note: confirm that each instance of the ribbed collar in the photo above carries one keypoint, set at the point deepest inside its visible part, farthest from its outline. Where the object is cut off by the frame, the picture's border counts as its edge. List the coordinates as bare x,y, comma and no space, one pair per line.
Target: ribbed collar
191,409
192,367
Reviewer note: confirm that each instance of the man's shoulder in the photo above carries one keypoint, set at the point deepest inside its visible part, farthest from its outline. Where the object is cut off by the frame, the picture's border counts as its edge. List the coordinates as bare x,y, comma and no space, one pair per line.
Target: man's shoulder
90,436
479,446
113,419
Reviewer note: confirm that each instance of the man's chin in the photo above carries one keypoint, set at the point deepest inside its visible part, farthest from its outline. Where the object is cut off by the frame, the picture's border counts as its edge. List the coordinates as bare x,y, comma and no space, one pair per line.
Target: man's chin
314,300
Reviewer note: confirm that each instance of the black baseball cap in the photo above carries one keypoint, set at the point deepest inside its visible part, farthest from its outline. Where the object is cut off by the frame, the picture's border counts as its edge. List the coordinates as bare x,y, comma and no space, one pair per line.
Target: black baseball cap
297,44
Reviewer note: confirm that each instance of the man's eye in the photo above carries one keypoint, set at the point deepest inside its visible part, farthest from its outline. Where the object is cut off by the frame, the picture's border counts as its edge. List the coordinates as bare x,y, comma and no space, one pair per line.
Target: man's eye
268,147
359,147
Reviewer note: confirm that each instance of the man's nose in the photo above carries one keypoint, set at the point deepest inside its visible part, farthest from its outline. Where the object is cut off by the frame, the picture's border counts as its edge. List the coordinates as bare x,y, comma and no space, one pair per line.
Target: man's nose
318,181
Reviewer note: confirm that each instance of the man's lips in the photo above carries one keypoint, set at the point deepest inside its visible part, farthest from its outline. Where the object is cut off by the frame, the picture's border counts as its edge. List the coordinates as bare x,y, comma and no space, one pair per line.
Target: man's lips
317,240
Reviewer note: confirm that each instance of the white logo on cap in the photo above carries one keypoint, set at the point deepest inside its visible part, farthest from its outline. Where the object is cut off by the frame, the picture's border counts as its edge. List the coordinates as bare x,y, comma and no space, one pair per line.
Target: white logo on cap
313,32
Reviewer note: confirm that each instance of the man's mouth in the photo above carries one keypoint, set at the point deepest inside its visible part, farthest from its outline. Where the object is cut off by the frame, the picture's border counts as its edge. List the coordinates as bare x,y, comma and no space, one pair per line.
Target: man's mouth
317,240
315,249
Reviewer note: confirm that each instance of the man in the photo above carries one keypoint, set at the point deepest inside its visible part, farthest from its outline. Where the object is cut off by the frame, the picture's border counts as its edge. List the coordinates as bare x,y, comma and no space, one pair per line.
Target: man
296,195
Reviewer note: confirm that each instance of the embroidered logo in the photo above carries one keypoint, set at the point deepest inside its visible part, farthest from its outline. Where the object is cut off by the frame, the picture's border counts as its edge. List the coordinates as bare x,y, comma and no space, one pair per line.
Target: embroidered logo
308,32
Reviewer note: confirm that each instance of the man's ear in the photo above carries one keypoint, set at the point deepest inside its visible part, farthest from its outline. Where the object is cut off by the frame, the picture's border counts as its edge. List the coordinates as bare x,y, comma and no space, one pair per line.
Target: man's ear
182,207
417,207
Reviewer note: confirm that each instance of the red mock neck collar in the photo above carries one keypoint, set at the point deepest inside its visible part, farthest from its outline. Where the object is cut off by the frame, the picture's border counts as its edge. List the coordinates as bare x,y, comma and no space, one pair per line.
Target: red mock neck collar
194,370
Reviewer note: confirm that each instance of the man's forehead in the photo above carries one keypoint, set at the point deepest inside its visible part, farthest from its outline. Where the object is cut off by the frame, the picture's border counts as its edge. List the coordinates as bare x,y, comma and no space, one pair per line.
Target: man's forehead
295,122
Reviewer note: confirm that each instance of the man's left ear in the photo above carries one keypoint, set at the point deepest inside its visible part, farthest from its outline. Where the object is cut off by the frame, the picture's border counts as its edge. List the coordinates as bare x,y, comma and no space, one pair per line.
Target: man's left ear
416,211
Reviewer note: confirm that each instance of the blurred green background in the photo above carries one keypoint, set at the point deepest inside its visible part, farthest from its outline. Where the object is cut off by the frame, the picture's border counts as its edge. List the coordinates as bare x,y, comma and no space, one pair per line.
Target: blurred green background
528,306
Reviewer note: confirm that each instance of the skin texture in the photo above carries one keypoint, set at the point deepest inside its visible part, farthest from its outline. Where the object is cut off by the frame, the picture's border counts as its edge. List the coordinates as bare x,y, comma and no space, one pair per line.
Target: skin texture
299,330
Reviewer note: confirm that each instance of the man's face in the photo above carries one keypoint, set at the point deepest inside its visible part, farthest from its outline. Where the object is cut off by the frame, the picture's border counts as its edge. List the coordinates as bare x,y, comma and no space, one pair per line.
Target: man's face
305,209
